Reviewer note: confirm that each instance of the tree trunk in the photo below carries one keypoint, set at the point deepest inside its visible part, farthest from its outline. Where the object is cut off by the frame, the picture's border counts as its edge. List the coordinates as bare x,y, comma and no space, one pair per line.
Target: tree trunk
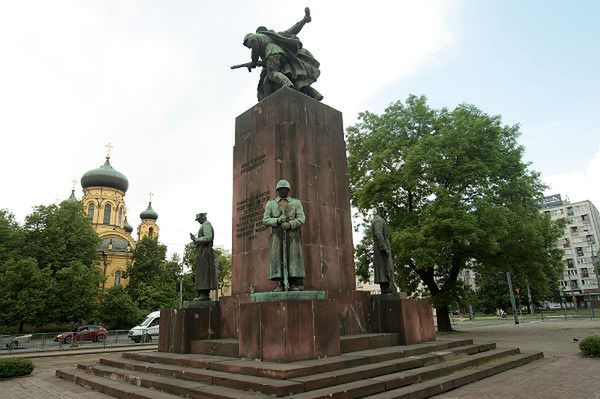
21,326
443,318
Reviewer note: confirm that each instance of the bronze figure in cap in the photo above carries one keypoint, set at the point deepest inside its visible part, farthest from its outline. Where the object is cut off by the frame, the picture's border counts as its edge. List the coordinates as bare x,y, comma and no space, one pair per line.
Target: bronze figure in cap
205,258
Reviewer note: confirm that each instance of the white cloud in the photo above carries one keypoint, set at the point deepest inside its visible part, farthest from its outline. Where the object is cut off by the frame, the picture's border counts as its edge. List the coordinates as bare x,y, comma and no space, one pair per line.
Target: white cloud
578,185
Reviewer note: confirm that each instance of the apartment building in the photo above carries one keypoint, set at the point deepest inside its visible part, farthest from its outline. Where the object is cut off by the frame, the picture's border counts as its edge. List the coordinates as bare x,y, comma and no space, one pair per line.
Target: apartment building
580,243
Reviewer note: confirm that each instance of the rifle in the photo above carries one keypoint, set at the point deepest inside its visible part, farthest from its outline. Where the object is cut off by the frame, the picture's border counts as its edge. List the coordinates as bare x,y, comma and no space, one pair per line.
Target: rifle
284,265
248,65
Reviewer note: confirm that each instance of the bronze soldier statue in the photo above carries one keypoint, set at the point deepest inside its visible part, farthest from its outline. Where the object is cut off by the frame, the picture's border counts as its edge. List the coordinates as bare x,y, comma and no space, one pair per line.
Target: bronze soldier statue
382,255
285,216
205,258
284,60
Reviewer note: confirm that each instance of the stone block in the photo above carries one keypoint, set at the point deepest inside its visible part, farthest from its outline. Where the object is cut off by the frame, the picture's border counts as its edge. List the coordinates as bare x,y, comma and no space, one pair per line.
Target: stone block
179,327
411,318
286,330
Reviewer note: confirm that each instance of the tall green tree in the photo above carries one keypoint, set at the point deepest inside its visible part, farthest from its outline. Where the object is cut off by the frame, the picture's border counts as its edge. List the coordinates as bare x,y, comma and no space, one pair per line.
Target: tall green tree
25,292
457,192
152,280
56,235
117,310
77,292
11,236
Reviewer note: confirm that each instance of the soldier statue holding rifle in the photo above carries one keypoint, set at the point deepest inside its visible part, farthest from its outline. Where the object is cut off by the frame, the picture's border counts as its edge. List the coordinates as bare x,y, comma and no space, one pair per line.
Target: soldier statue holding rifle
284,61
205,258
382,256
285,216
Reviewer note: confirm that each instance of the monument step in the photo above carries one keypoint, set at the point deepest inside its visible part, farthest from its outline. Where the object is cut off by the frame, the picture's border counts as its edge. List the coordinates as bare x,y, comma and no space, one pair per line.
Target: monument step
122,368
186,382
295,369
216,347
337,377
359,342
111,388
436,386
372,386
418,371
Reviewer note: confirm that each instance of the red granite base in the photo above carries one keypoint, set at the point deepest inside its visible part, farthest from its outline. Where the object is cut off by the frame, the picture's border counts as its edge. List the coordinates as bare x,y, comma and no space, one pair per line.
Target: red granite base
411,318
179,327
288,330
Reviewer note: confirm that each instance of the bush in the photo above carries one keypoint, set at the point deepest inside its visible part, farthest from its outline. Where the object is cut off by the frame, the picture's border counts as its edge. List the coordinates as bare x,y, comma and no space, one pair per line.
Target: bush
15,366
590,346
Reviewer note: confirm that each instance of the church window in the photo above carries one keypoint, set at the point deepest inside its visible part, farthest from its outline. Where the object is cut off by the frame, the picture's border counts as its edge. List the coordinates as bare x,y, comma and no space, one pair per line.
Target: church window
118,278
151,232
120,216
107,209
91,210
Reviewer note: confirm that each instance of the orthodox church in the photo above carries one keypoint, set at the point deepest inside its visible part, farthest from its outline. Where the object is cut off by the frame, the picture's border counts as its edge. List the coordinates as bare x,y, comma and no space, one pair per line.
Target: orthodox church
104,190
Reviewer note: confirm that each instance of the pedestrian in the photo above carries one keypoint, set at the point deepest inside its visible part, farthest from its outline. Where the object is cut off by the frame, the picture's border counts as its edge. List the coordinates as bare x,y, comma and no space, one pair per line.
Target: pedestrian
74,331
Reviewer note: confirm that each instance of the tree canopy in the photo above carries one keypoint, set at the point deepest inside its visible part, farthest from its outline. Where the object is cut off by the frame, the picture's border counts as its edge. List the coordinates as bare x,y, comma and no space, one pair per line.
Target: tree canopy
56,235
152,280
458,195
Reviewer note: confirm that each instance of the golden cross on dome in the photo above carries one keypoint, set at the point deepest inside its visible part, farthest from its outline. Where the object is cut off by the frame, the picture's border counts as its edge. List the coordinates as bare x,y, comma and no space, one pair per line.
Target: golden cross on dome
108,148
150,196
74,181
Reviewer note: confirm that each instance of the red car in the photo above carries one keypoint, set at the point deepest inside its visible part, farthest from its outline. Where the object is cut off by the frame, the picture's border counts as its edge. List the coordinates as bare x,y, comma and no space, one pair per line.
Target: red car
85,333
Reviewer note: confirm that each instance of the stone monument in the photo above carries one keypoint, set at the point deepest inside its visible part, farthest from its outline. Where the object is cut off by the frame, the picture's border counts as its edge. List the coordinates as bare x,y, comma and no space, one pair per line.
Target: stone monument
290,135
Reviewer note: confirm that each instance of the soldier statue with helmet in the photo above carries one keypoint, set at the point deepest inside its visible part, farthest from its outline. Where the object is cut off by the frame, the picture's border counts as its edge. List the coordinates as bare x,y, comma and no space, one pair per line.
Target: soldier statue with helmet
285,216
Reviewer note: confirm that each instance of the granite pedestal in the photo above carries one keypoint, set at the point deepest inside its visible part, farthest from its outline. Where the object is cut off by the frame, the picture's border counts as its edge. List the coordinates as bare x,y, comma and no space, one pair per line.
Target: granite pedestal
179,327
411,318
287,330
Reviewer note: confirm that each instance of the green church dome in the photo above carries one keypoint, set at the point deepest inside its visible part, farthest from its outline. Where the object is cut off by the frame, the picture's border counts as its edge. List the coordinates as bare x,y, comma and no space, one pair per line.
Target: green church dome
72,197
149,213
105,176
127,226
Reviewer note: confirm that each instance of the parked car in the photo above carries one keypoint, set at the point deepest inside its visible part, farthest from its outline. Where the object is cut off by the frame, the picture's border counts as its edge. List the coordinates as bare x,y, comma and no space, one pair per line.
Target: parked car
84,333
145,331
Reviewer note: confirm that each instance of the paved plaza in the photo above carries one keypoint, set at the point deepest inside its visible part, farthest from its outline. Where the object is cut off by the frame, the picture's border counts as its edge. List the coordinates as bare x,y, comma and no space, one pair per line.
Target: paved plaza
563,373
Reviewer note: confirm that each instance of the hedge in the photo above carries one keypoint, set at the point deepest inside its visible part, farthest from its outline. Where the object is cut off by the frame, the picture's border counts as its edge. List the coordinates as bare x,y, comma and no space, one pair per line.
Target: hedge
590,346
15,366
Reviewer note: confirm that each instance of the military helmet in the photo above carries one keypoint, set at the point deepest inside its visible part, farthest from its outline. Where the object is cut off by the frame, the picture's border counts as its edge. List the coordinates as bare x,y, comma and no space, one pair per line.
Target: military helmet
283,184
200,215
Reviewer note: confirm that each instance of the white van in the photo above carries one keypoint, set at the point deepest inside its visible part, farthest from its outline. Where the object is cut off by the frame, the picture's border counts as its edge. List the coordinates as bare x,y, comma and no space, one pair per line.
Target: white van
147,330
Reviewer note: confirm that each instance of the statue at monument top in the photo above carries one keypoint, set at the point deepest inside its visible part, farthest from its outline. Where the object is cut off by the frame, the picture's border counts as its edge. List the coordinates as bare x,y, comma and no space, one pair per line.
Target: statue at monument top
284,61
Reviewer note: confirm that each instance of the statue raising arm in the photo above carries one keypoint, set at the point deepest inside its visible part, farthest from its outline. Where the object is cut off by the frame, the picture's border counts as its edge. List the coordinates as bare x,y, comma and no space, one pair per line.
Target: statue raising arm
294,30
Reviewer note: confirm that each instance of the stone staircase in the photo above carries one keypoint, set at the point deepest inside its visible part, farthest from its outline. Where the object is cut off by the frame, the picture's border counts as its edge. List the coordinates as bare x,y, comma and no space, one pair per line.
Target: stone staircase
371,366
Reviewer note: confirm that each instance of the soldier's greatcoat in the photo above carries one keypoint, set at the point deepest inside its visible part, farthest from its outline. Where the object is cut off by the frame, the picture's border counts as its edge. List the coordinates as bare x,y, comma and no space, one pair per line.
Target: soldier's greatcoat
382,264
205,258
292,209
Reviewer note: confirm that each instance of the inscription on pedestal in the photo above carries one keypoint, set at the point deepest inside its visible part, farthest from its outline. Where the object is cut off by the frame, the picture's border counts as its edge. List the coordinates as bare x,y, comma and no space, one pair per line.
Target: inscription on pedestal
250,214
253,163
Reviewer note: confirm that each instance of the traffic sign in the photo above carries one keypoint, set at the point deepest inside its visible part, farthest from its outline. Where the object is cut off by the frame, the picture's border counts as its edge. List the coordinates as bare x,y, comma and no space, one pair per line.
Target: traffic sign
574,299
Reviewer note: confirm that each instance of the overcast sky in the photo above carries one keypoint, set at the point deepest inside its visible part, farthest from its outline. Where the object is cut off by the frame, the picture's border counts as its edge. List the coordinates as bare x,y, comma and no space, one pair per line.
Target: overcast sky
153,79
